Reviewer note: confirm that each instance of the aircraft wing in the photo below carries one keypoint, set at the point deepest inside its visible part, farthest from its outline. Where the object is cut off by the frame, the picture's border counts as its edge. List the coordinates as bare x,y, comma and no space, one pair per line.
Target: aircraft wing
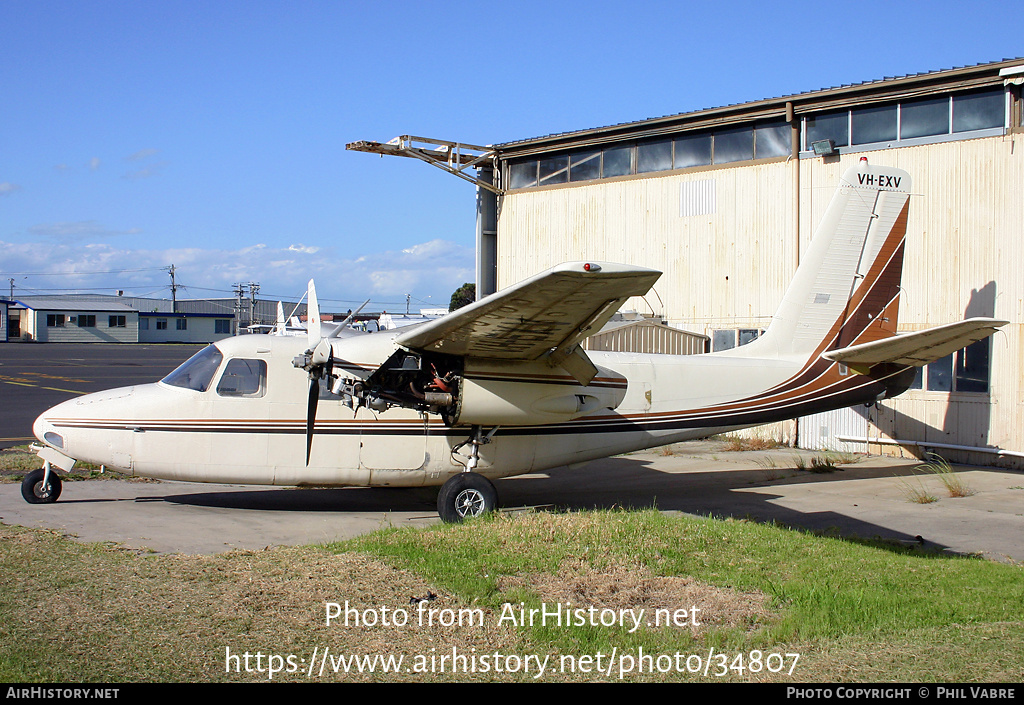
918,348
547,314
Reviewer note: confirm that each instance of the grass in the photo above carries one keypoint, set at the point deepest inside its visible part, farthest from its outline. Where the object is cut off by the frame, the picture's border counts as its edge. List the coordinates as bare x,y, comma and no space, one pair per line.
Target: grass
17,461
955,484
97,613
741,443
915,491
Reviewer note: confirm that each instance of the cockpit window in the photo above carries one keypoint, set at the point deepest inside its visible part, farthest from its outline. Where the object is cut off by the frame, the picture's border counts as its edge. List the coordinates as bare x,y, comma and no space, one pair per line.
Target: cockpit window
197,371
243,378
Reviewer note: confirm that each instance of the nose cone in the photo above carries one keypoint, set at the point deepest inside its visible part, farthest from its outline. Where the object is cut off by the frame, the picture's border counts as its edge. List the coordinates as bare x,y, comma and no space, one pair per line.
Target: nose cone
44,430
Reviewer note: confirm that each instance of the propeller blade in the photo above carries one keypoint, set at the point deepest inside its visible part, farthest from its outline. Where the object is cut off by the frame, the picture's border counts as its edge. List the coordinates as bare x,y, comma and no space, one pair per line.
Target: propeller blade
280,328
348,321
313,308
314,398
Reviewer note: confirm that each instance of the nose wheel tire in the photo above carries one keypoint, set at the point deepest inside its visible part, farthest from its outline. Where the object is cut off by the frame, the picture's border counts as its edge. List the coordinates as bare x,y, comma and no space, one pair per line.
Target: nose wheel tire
464,496
35,492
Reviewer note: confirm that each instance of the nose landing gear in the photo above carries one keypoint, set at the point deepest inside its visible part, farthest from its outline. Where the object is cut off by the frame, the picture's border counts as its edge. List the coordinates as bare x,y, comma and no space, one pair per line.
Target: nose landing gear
41,486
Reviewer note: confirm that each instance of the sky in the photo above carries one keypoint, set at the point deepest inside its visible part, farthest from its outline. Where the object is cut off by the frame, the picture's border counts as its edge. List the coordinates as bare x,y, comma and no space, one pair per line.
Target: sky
211,135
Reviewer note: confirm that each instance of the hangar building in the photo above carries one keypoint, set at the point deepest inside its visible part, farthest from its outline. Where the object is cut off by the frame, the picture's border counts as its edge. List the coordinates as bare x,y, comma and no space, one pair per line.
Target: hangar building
725,200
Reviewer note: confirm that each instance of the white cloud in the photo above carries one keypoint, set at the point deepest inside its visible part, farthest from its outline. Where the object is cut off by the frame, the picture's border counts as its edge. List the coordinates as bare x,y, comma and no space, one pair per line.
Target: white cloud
430,271
7,188
141,155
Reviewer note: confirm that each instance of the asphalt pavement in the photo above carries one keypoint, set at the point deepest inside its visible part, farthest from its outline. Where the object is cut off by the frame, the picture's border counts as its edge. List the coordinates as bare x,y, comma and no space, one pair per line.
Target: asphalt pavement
865,500
36,376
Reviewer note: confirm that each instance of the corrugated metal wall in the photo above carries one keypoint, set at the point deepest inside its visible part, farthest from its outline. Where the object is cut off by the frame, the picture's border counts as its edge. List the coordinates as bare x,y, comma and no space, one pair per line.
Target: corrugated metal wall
647,337
726,240
721,269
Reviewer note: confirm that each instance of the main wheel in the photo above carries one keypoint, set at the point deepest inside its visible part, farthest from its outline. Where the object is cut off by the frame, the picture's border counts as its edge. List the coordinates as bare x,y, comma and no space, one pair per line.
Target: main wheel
35,492
466,495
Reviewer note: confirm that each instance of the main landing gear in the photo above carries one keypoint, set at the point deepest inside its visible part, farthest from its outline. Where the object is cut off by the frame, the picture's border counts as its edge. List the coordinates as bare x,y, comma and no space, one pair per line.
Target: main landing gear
36,490
466,495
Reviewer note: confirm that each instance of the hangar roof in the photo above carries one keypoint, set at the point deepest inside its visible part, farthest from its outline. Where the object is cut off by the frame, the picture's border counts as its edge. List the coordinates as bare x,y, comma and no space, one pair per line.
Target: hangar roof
874,91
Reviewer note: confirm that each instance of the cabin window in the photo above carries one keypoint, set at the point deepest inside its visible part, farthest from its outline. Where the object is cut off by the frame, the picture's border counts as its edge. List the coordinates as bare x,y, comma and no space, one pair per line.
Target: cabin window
197,371
86,320
243,378
222,326
117,321
55,320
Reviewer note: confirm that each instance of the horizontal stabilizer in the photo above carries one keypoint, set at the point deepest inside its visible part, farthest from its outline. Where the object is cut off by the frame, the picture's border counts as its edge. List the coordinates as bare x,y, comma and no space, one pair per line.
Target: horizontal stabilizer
918,348
549,313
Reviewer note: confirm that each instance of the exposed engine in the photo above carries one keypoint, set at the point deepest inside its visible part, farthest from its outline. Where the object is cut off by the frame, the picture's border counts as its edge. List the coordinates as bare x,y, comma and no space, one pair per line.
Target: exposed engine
425,382
492,393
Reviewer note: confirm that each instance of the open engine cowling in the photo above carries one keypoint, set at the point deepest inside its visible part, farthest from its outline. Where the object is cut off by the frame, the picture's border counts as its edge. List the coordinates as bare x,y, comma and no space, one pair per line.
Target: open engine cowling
531,393
483,393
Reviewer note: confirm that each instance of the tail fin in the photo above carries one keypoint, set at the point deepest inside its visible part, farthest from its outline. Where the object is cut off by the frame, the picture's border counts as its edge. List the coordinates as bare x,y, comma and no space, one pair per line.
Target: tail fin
846,289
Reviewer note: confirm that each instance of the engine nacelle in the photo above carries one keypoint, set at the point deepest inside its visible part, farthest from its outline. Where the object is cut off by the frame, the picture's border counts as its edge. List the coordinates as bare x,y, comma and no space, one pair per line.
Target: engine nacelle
497,393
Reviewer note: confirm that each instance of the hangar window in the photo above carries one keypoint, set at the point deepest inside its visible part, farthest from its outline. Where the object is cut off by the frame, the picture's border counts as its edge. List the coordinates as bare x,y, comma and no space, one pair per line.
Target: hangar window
693,150
554,170
654,156
181,323
923,119
522,174
772,139
828,126
584,166
222,326
734,145
729,338
618,161
243,378
875,124
979,111
967,370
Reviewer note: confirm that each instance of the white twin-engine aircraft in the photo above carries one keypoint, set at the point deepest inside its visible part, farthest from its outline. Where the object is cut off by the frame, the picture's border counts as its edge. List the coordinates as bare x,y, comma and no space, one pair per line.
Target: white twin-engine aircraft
502,386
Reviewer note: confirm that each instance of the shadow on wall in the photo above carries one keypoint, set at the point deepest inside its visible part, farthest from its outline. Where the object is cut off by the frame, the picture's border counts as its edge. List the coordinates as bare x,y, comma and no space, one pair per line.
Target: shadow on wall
965,410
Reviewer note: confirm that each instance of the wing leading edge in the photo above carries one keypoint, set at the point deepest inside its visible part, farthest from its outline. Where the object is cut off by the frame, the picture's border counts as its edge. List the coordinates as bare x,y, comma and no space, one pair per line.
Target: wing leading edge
547,314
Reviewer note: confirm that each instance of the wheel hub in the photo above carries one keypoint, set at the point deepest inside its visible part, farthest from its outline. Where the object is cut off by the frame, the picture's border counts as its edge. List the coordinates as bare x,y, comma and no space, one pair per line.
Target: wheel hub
470,503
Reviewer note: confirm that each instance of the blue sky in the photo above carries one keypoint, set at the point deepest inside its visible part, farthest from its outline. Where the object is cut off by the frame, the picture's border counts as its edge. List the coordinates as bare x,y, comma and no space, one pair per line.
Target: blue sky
211,135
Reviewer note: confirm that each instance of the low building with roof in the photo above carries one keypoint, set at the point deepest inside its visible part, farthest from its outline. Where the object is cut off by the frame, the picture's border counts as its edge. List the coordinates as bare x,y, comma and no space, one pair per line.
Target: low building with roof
55,319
